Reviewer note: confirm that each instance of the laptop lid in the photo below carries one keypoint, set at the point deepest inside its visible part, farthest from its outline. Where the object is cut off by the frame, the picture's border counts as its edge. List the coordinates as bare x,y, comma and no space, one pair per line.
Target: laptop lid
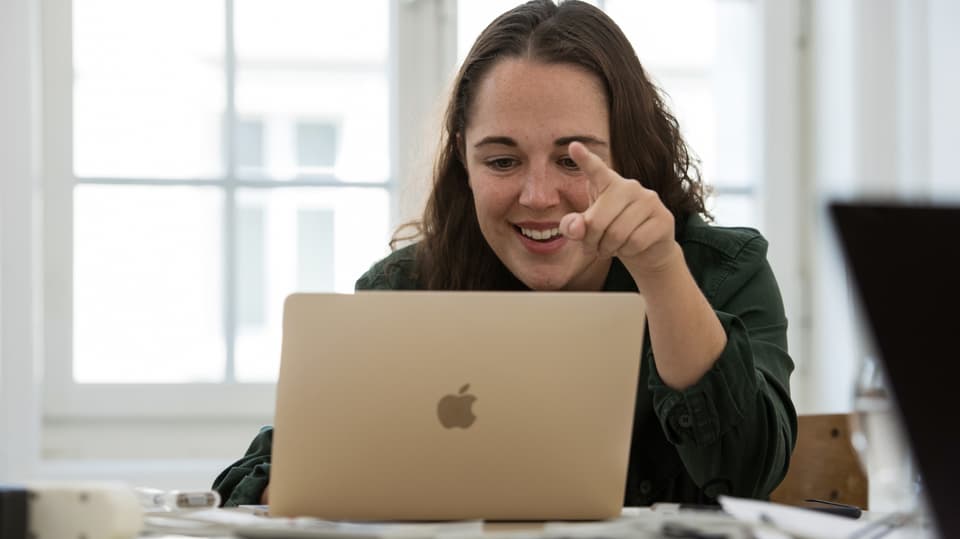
904,261
455,405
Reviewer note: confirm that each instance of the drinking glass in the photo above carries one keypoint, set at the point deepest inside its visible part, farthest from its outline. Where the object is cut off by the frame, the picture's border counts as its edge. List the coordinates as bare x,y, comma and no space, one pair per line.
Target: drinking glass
881,443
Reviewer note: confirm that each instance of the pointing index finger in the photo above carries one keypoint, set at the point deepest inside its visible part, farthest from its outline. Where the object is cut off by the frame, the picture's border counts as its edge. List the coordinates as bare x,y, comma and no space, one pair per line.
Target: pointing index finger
597,171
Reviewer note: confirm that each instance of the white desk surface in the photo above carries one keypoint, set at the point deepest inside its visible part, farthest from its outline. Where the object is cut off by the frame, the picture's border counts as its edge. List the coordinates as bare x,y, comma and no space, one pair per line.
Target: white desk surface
645,522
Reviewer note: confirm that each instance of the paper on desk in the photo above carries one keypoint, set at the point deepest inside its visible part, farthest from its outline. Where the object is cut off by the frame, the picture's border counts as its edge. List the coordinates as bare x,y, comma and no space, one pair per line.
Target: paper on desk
649,523
803,523
201,523
634,523
245,524
312,528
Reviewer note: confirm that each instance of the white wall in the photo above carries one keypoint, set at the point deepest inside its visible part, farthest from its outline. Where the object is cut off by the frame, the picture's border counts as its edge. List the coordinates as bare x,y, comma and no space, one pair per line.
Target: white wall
19,255
884,121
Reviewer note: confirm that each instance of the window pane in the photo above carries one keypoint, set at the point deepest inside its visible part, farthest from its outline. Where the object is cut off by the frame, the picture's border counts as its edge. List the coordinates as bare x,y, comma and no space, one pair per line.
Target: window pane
309,240
147,284
669,34
703,55
734,210
324,105
736,87
692,101
316,145
249,145
148,88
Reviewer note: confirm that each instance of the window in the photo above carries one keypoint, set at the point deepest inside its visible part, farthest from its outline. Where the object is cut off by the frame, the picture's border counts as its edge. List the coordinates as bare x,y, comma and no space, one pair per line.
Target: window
233,151
316,145
250,146
224,153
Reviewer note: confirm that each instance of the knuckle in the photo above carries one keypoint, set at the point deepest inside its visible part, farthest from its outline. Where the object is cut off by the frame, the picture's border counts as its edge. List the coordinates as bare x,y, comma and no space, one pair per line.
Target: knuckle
617,239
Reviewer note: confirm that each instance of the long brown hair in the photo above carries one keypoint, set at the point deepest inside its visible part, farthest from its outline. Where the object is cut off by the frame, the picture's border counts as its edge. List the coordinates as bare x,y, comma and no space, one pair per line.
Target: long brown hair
645,139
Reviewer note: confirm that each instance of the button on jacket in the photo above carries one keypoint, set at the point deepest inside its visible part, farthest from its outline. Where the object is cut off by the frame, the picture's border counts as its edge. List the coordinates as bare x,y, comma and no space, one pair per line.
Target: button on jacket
732,432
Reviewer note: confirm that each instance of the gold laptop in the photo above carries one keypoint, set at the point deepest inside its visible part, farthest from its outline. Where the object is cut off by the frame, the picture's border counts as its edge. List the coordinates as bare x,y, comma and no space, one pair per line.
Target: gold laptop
455,405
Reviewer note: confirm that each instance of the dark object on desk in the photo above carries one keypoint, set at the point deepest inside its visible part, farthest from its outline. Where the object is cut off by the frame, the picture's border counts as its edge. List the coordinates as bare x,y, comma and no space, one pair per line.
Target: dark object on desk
824,464
700,507
904,261
13,512
676,530
839,509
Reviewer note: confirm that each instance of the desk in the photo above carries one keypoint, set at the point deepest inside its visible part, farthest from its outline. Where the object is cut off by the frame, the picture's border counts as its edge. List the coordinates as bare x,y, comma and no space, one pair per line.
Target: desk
634,523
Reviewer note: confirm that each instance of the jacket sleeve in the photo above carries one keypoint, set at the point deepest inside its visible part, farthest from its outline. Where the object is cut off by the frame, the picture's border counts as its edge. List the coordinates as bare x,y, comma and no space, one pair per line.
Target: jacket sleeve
242,483
736,427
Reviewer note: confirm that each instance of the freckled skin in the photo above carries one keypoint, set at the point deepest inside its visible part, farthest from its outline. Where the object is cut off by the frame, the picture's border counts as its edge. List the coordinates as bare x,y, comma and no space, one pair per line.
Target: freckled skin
535,105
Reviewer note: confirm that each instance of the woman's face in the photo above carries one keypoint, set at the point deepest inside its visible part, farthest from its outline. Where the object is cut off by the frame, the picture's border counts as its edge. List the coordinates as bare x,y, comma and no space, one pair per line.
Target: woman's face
524,115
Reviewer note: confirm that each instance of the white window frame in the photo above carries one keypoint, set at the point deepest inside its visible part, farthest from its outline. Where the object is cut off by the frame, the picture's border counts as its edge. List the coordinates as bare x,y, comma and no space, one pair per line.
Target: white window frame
420,64
20,266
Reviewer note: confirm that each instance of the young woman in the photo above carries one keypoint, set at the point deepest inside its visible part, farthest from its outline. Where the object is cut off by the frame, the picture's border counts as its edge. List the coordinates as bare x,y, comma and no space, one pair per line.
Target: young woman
561,169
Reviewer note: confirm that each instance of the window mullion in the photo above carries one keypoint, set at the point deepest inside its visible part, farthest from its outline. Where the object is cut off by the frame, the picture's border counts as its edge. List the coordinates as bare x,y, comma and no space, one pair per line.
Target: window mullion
229,210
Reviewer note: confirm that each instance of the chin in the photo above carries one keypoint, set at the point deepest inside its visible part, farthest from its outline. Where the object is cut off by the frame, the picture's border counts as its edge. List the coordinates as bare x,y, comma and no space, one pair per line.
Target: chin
543,283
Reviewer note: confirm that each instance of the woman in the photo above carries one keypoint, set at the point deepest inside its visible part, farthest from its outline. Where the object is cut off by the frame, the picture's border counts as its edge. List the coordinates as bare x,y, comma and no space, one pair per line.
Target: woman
561,169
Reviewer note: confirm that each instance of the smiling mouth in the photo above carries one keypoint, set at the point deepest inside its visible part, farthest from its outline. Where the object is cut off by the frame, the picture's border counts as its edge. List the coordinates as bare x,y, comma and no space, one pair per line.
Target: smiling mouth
542,236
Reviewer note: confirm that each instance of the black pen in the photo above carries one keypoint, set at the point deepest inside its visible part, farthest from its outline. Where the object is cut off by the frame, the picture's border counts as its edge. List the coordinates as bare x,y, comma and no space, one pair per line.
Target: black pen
834,508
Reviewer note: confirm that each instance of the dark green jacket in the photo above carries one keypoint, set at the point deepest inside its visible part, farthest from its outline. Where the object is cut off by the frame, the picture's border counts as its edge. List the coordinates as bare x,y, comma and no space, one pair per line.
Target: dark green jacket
730,433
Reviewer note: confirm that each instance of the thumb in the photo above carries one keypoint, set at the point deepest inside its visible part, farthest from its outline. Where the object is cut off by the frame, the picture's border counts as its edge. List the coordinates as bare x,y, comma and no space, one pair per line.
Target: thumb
573,226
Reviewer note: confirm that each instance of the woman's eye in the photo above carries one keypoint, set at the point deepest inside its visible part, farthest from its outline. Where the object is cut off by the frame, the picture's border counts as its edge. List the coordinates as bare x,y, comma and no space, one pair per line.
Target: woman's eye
568,163
501,163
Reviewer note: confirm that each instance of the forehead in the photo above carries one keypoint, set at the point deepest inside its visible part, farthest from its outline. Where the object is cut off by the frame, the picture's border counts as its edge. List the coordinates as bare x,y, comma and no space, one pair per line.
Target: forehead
519,95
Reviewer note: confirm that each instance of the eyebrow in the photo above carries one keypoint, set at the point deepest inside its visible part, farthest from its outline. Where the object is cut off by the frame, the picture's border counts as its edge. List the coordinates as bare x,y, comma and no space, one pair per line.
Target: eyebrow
562,141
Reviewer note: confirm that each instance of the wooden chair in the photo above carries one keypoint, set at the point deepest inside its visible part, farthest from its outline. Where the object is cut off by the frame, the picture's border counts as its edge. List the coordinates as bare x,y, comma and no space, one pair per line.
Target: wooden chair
824,464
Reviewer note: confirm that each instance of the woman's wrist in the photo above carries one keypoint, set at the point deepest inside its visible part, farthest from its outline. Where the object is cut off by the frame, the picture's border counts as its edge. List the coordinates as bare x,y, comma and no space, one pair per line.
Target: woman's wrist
685,333
660,279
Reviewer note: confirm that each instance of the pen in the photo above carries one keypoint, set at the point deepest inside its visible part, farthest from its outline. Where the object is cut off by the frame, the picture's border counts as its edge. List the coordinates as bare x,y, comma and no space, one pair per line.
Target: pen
840,509
672,508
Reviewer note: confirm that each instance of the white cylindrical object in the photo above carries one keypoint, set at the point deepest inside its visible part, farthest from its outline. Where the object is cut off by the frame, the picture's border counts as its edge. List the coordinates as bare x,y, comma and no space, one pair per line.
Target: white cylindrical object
93,510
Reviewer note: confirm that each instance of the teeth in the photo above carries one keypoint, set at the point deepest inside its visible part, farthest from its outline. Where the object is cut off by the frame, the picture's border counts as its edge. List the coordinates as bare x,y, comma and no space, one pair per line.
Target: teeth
540,234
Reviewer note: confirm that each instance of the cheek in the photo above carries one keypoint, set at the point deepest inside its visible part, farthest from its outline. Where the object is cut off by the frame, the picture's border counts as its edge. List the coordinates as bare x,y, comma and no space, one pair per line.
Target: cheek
493,196
577,194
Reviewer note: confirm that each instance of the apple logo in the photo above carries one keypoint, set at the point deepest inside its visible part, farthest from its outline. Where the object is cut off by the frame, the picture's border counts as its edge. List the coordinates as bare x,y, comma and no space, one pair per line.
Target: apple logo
456,410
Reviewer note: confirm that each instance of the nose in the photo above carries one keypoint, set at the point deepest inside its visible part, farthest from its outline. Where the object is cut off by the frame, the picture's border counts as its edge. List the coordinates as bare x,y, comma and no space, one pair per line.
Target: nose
540,191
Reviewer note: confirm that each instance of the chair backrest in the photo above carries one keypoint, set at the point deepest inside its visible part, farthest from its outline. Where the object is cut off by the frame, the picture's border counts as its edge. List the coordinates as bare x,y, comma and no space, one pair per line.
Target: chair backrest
824,464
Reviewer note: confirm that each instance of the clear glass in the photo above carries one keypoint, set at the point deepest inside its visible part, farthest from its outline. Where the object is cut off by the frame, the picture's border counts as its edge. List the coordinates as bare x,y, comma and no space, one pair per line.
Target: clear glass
149,93
147,284
322,108
298,240
881,443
